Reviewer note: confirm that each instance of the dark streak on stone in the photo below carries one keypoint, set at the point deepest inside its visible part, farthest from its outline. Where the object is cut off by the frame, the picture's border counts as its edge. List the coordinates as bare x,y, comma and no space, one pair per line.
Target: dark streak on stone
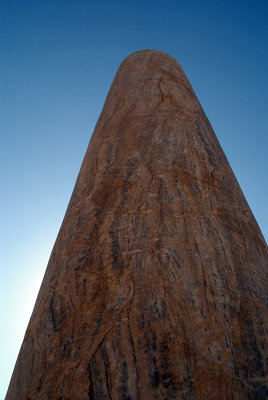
91,387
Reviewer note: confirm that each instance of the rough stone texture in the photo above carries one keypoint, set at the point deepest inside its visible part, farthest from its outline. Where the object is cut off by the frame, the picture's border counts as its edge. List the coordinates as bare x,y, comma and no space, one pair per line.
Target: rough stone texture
156,287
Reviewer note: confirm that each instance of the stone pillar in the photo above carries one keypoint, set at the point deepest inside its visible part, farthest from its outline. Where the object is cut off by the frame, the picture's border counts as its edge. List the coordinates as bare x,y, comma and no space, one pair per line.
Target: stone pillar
156,285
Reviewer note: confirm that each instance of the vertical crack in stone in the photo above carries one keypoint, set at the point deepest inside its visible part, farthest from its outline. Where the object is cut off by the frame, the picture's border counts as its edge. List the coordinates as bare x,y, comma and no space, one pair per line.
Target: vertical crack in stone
106,371
91,395
52,313
161,93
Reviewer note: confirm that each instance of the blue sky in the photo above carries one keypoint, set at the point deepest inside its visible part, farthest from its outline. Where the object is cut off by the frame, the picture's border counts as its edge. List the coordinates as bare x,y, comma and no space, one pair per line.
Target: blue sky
58,60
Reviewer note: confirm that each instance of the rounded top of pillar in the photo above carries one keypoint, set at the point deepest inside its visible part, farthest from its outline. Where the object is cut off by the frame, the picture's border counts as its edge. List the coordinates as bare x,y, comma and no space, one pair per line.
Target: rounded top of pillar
140,54
148,66
150,57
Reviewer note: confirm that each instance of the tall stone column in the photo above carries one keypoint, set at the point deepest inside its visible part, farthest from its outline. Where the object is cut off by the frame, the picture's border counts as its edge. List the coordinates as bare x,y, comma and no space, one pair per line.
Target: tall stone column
156,287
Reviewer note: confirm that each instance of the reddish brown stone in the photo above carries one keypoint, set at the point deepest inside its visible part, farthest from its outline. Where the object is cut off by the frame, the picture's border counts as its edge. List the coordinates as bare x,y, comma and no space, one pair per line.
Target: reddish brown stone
156,285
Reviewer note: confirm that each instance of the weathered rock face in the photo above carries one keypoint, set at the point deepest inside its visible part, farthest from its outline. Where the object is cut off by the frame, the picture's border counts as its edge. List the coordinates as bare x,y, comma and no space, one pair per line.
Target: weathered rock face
155,288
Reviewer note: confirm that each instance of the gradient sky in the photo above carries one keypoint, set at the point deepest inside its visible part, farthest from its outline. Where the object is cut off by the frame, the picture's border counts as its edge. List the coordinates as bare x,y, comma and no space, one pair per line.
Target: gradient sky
58,60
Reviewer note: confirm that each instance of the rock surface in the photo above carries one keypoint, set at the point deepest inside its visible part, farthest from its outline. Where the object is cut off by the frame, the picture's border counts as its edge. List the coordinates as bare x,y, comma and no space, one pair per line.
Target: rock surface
157,284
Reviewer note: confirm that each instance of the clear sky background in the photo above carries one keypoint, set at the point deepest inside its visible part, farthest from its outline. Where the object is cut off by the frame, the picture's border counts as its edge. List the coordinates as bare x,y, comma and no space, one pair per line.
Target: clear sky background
58,60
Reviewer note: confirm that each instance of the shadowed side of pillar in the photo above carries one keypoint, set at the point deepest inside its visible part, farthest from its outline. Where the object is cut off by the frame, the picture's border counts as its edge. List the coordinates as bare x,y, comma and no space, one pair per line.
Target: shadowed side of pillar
156,287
